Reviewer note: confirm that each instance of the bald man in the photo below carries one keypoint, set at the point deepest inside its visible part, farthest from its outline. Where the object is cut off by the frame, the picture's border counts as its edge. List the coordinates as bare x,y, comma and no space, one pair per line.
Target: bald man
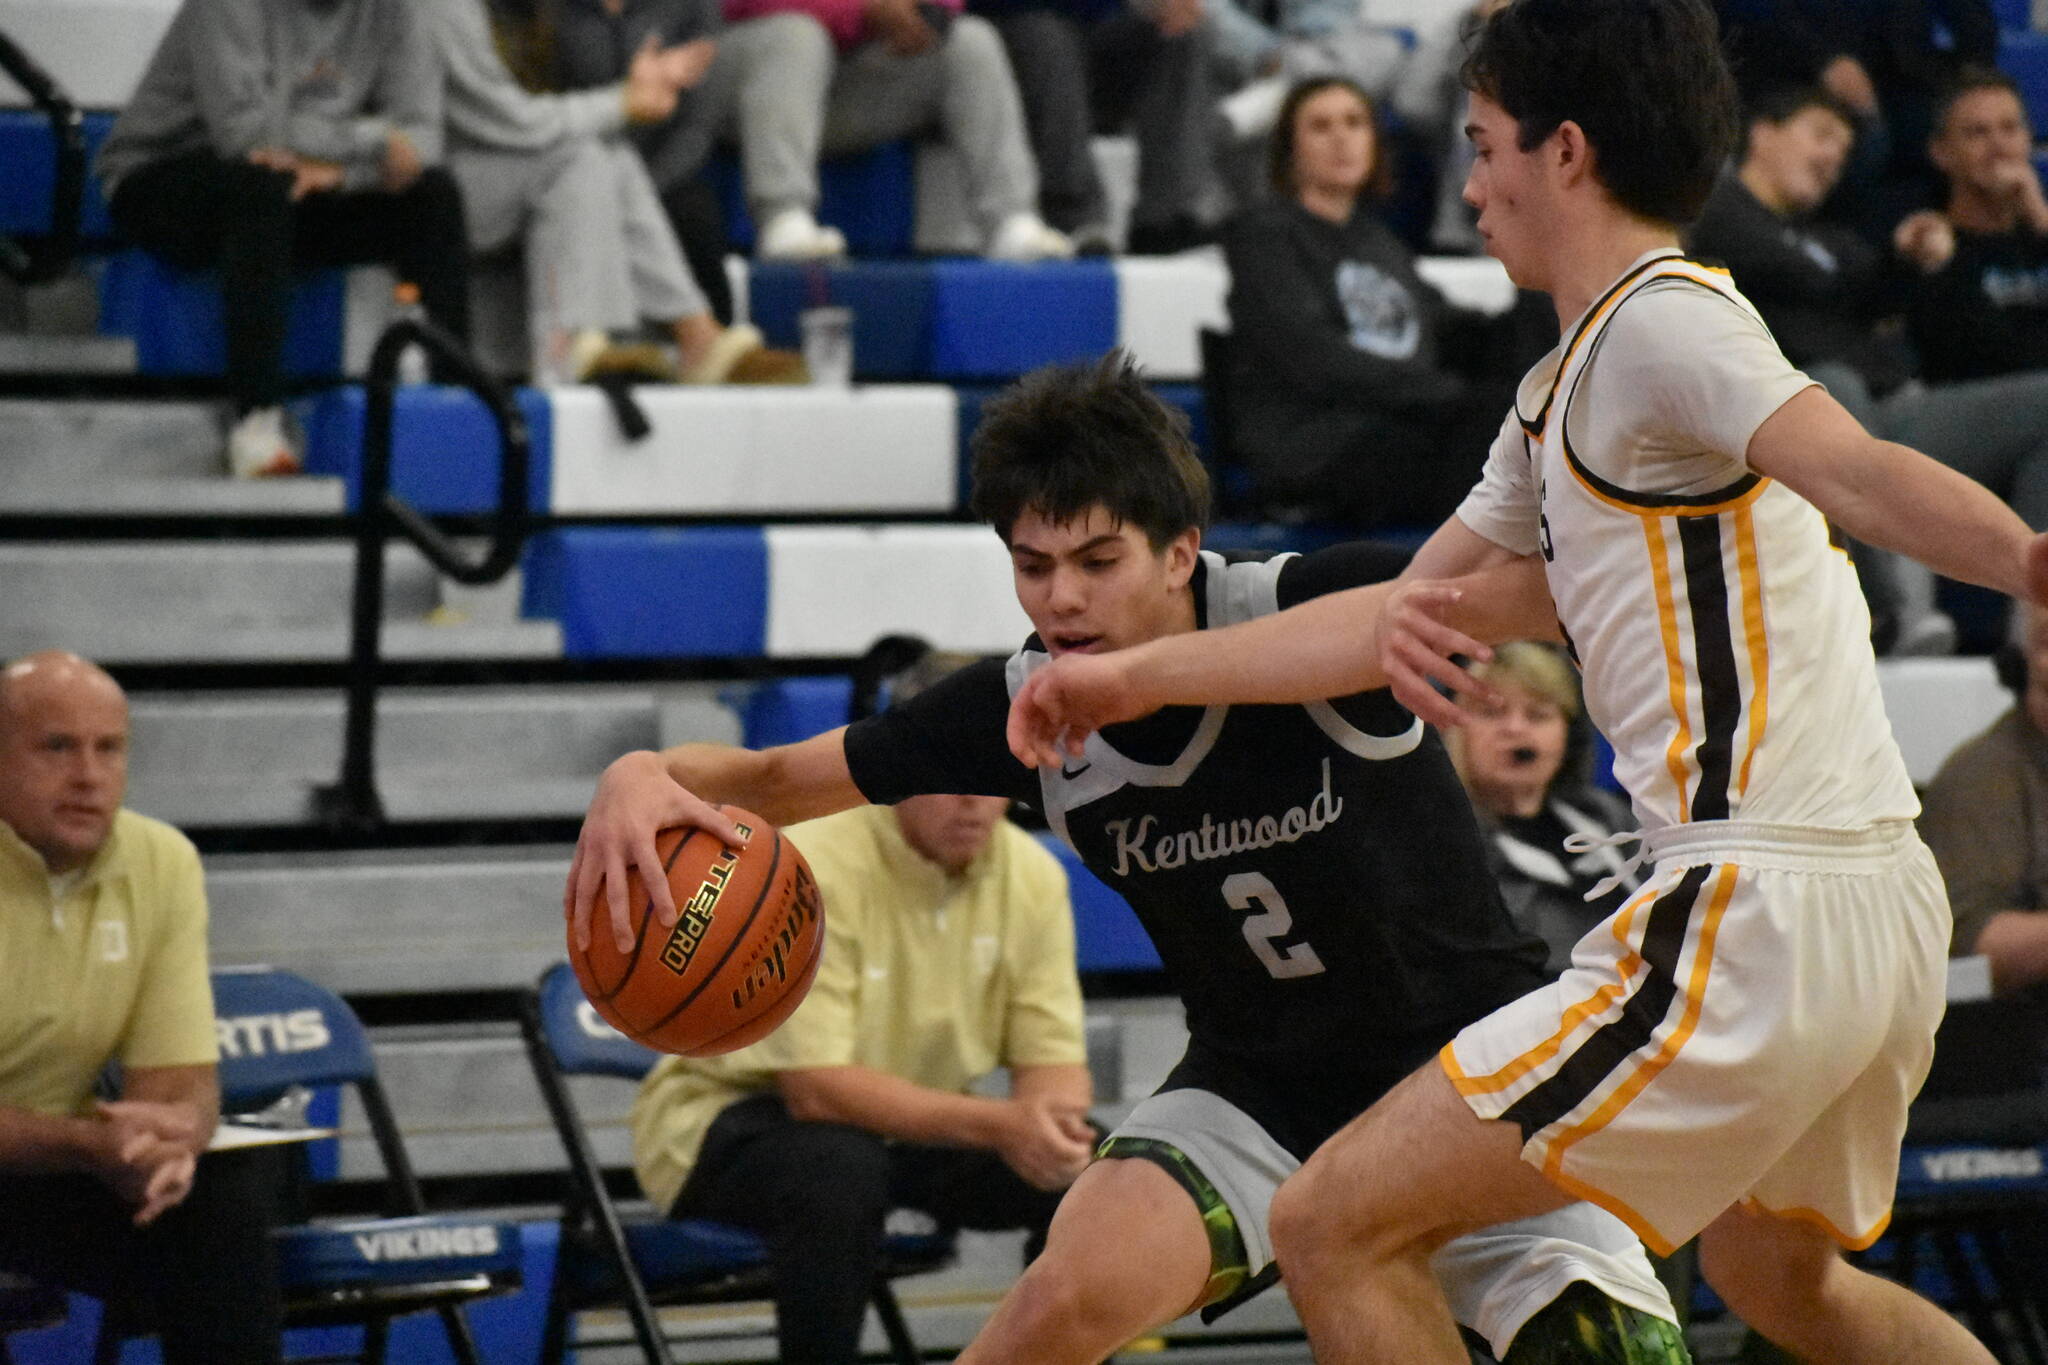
103,937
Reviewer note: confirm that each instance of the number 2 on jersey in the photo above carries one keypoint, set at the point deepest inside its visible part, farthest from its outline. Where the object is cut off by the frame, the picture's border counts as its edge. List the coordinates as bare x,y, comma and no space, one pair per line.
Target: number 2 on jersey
1246,890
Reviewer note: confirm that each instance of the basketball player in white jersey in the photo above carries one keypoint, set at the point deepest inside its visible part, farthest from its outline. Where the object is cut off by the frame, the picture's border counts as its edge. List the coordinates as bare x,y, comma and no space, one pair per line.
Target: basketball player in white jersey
1732,1054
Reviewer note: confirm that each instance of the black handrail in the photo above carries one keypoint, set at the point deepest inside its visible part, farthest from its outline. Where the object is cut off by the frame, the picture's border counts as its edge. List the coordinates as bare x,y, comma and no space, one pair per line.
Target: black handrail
50,255
353,802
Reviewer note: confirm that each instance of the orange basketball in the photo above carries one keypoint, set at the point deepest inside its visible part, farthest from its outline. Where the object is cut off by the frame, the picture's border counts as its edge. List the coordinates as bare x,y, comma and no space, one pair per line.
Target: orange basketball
749,931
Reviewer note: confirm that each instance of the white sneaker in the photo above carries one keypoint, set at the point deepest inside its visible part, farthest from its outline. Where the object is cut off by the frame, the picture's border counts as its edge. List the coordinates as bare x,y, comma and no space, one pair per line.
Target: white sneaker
1027,237
793,235
259,446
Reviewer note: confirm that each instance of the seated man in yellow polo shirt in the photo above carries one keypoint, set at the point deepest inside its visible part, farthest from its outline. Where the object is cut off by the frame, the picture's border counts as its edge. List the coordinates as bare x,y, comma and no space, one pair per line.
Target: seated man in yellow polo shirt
103,937
950,952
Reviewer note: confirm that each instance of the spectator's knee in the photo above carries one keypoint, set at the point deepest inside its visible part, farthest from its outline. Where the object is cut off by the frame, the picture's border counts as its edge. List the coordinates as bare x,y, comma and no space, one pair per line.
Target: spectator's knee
974,46
790,38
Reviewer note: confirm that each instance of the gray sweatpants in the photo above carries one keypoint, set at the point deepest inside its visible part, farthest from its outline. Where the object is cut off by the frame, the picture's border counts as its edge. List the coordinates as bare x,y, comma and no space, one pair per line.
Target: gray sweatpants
1075,77
599,250
783,92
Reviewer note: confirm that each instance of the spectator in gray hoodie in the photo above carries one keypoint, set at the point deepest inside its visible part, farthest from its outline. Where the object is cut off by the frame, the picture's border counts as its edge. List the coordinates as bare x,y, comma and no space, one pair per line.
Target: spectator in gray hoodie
268,134
556,173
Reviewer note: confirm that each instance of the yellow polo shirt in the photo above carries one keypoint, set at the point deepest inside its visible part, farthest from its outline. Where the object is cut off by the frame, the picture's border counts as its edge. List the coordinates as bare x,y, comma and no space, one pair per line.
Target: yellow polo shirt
935,978
108,964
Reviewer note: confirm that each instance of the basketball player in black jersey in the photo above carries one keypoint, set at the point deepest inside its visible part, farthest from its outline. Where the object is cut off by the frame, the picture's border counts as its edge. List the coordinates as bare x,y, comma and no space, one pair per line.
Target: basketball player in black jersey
1312,876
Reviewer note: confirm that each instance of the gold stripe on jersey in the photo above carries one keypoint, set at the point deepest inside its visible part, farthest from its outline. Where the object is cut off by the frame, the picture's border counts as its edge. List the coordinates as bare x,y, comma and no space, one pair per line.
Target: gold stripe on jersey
1852,1241
1674,662
1591,1007
1674,1041
1749,571
1539,425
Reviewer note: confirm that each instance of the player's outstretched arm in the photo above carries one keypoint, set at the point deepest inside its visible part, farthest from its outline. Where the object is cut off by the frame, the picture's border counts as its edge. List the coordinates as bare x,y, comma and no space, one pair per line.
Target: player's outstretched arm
1894,497
1401,634
643,793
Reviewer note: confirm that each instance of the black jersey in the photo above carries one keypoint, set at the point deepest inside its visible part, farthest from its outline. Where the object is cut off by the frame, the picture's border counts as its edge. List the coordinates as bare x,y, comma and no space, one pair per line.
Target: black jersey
1312,876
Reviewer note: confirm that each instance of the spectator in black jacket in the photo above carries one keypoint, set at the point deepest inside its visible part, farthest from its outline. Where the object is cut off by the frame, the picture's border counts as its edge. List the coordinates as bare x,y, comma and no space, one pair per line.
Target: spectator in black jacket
1981,309
1357,390
1832,301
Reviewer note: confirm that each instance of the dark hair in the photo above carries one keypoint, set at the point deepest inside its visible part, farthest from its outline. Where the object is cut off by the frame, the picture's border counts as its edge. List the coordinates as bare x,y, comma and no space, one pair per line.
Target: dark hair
1066,438
1783,103
1968,81
1644,79
1280,146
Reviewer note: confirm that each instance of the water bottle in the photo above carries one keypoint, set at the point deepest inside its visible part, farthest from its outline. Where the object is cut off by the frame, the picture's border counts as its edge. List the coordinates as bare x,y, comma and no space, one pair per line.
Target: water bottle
412,361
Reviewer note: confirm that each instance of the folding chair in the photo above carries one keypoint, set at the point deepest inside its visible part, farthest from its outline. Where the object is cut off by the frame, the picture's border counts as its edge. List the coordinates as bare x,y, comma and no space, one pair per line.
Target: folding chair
647,1260
26,1306
279,1032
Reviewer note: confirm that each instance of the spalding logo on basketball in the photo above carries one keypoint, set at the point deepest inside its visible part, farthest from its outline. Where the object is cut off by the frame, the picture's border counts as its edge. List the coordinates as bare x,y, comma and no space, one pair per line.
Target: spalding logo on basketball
750,926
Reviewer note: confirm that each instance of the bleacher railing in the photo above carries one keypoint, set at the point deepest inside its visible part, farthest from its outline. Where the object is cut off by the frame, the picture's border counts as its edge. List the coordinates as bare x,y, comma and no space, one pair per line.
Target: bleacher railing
352,802
46,257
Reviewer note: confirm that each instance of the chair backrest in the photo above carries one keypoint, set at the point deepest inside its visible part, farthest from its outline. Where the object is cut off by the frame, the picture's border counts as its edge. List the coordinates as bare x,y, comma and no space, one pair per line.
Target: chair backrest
279,1030
578,1040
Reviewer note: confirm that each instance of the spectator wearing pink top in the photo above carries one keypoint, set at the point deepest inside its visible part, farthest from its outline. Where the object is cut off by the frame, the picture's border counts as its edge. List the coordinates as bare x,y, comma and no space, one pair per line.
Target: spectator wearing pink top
797,78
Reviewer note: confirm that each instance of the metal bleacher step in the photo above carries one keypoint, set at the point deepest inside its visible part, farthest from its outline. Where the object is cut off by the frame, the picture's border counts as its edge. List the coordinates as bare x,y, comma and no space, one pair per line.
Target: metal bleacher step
224,758
393,921
128,456
239,602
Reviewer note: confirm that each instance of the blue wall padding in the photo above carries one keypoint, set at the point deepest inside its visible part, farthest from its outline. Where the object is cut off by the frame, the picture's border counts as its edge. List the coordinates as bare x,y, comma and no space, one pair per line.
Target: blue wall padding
29,153
891,303
445,447
2024,57
992,320
651,592
1107,935
174,317
790,709
870,196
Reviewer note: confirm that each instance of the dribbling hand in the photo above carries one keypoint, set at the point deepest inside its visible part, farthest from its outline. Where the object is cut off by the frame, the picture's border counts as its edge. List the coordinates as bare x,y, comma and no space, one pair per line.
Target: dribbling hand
1416,649
1063,703
636,799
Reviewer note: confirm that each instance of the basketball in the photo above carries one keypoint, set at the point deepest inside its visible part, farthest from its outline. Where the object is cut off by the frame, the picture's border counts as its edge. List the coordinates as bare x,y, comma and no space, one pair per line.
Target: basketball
749,931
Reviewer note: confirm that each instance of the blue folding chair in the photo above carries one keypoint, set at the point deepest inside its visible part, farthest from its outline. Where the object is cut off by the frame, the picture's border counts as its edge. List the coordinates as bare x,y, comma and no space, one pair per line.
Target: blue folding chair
646,1260
279,1032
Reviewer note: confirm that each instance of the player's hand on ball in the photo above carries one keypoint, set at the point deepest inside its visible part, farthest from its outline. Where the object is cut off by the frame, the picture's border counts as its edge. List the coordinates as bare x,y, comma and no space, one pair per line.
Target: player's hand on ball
1417,649
1068,700
636,799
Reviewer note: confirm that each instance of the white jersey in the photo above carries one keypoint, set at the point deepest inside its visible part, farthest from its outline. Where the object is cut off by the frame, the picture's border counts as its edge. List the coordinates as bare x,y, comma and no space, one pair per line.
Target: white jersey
1723,638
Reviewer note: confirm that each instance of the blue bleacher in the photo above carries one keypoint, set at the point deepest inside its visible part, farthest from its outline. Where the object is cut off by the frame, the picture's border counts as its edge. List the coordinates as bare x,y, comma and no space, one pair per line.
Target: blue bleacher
2013,14
444,447
948,319
648,592
870,196
30,155
174,317
2024,56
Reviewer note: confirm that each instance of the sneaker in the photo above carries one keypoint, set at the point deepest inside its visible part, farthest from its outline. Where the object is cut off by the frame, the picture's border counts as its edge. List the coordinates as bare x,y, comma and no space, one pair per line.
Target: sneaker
1092,239
1027,237
794,235
261,447
742,356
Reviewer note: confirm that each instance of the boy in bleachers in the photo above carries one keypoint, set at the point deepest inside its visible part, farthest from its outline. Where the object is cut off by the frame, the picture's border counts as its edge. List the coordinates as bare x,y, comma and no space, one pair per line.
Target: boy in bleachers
1831,300
1982,307
554,173
268,134
103,930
